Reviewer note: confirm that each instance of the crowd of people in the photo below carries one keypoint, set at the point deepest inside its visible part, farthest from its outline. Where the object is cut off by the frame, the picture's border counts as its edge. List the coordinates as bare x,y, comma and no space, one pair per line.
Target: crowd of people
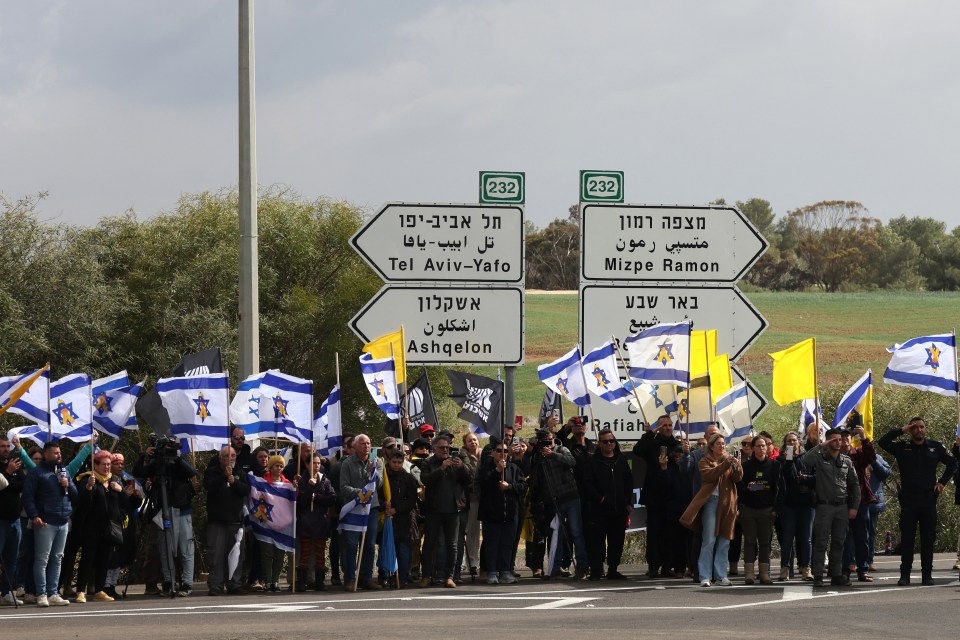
459,512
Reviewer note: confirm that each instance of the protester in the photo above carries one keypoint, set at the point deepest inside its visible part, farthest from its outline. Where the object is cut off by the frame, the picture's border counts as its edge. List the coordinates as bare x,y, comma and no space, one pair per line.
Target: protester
124,555
878,472
714,510
227,490
446,486
334,475
760,489
652,444
690,468
857,547
468,536
357,472
98,518
796,509
918,459
13,475
272,556
608,485
48,493
502,483
838,497
315,498
402,508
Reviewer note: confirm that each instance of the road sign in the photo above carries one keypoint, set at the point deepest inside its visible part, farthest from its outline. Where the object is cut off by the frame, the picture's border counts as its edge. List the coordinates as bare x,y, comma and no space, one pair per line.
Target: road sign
622,310
502,187
448,325
601,186
643,243
407,242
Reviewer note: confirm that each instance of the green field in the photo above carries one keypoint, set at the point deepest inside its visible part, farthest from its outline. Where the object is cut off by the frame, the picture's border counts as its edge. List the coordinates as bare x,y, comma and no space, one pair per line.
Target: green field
852,332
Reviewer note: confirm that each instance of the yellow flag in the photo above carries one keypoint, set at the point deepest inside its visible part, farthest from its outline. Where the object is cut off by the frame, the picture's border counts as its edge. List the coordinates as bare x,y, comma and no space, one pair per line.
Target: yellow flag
703,346
794,372
865,409
721,379
380,348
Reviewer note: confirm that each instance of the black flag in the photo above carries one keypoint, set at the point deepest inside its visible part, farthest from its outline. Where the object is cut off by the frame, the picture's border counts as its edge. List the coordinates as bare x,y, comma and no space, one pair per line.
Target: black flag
550,403
150,409
480,399
422,409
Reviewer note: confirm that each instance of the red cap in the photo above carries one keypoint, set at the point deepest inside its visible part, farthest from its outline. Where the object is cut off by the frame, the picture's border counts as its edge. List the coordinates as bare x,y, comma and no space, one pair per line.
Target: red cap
426,427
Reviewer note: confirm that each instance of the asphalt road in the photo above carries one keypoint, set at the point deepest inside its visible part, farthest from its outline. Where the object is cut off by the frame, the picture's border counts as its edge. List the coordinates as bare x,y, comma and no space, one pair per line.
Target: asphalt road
533,608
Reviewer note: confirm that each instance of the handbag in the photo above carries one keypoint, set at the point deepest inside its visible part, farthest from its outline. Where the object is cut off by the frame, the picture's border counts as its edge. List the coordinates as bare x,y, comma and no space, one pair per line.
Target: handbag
113,534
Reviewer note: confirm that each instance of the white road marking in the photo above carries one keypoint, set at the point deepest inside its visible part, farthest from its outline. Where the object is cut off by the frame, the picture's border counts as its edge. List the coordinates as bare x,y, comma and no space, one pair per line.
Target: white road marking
797,592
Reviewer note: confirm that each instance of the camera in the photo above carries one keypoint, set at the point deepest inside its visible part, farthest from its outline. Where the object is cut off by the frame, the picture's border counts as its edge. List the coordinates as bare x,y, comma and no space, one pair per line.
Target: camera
454,452
166,447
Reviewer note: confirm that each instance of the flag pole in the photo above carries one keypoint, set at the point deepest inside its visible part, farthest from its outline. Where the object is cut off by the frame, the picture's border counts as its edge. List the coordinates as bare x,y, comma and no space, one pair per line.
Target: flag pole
633,386
406,382
50,421
583,374
957,380
686,430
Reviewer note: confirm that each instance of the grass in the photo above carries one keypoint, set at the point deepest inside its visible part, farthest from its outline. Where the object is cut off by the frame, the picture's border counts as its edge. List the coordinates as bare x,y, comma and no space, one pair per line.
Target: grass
852,332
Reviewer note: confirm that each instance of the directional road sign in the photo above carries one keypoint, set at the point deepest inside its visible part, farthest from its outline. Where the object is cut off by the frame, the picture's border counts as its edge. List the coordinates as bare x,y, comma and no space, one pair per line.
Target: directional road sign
620,311
407,242
448,325
644,243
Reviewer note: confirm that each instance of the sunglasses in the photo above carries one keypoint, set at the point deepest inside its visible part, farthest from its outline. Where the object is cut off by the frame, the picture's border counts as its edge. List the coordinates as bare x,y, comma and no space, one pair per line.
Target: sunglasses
611,441
238,437
428,434
390,446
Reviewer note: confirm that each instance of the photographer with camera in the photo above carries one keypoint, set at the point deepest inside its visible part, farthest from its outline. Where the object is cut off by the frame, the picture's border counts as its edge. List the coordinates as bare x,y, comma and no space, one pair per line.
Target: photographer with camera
171,483
555,492
446,487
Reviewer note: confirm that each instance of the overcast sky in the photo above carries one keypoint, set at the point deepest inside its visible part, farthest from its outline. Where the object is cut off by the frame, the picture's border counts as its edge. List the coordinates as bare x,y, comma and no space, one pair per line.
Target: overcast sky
111,105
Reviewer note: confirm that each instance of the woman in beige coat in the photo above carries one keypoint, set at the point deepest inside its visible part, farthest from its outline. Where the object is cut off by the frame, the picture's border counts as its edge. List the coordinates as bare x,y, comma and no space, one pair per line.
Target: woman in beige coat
714,508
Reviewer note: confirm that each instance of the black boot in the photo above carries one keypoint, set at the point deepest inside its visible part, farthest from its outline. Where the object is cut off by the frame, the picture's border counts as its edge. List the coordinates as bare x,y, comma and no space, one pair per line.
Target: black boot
321,576
300,580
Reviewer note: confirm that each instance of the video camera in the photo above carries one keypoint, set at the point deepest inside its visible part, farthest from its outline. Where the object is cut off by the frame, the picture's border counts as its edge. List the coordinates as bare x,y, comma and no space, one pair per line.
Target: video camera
166,447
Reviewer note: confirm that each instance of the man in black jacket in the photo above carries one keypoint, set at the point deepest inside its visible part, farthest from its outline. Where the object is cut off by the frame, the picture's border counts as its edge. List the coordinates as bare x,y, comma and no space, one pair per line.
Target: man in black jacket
446,485
918,459
12,471
651,445
609,487
226,493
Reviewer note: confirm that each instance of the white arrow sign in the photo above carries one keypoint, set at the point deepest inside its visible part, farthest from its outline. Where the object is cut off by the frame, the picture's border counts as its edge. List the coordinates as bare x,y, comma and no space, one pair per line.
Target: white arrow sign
620,311
448,325
667,243
444,243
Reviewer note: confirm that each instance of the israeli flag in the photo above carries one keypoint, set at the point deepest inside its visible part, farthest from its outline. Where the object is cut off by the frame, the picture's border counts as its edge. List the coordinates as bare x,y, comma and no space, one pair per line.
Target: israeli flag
733,413
603,375
355,514
71,409
654,401
928,363
34,432
287,403
198,407
113,404
381,380
565,376
852,398
808,415
272,512
328,425
661,354
245,409
34,404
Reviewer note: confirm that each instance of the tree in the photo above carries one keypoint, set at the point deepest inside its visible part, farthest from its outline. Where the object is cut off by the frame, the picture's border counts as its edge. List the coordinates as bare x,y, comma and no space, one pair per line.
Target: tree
553,254
759,212
835,241
939,252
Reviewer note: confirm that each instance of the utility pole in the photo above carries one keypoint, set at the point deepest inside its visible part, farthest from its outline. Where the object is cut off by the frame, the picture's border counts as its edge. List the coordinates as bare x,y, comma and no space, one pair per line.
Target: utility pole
249,276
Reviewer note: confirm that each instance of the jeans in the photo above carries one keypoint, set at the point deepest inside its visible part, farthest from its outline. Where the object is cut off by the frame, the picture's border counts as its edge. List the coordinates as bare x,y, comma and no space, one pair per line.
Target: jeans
350,542
25,558
571,525
9,548
48,556
714,548
797,529
856,549
182,521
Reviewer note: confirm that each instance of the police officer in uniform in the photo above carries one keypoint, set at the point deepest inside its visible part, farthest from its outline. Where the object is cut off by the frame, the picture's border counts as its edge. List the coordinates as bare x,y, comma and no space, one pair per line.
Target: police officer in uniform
918,459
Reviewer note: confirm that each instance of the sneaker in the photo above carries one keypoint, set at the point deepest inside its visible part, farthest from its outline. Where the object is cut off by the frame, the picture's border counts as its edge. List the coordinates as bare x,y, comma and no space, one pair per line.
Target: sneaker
705,583
56,601
725,582
956,565
450,584
257,586
29,598
20,592
582,573
507,577
101,596
80,598
564,573
10,601
42,601
184,592
537,573
492,578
